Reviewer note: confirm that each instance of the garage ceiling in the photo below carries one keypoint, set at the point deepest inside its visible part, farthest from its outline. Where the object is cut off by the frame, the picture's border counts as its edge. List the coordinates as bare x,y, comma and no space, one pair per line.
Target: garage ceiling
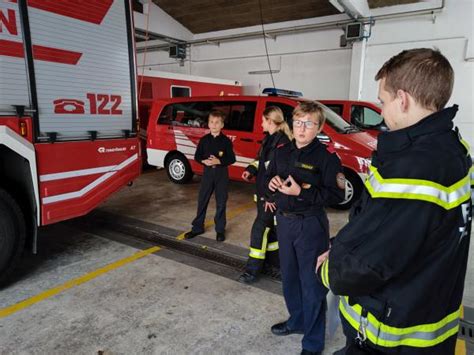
201,16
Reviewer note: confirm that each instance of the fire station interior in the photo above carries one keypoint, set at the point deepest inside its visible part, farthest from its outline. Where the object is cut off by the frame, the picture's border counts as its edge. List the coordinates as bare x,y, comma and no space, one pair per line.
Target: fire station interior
121,277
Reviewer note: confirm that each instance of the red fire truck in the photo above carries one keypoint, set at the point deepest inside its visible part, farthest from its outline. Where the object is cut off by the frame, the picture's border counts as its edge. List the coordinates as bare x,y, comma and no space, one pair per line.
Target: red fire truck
68,113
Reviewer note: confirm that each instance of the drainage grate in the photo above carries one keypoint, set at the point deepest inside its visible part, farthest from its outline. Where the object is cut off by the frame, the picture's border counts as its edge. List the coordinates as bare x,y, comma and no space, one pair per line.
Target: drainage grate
218,256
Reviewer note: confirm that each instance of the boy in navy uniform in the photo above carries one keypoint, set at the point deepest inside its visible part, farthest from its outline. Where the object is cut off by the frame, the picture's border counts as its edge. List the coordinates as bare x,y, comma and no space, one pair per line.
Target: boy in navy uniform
304,177
215,152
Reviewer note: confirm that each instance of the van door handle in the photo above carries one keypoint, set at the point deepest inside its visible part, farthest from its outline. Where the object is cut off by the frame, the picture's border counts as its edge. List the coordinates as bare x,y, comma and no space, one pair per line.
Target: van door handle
246,139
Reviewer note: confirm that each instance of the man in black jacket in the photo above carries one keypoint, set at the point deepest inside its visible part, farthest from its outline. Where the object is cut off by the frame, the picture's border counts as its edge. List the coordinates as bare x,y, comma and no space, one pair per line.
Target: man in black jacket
400,263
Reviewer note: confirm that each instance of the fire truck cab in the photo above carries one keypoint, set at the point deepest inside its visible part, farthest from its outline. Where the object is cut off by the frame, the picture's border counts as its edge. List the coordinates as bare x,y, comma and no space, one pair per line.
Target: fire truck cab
176,125
68,129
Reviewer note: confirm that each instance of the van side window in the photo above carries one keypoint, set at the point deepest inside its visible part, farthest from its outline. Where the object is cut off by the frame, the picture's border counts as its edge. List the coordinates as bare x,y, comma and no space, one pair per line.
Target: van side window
365,116
180,91
240,115
287,111
189,114
336,108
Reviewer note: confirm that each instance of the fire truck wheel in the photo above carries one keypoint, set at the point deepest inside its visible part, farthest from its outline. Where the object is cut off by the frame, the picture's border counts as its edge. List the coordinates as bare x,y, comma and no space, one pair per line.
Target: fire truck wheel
12,234
178,169
354,188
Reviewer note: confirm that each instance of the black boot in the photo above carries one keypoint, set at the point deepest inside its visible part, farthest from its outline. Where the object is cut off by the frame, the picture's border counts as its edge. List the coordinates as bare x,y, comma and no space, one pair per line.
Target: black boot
247,278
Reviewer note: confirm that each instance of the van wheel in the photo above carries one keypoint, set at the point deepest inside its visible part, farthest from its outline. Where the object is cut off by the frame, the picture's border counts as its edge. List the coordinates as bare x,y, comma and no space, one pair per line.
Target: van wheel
178,169
12,235
354,188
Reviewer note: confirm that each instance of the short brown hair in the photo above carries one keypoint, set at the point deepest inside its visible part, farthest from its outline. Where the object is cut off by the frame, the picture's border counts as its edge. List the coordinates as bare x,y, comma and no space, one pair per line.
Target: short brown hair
217,113
312,108
423,72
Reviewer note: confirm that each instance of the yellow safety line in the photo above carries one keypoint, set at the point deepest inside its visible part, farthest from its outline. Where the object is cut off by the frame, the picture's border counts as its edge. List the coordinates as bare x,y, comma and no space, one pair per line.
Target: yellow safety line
461,343
231,214
5,312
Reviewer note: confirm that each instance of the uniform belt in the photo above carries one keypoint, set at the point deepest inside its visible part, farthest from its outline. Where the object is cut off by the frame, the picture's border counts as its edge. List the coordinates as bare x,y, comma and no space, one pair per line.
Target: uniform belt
301,214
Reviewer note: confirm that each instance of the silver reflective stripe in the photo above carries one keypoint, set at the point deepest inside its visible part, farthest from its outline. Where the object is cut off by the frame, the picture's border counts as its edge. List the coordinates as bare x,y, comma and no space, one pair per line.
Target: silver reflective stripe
256,254
401,338
272,246
447,197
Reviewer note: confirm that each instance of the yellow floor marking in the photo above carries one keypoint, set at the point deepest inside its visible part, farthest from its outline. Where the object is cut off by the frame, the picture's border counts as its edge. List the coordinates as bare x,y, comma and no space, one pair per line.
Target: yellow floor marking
5,312
461,343
229,215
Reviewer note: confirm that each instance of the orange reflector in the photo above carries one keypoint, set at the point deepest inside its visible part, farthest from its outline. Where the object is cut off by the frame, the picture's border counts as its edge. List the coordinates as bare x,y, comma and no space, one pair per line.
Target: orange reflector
23,129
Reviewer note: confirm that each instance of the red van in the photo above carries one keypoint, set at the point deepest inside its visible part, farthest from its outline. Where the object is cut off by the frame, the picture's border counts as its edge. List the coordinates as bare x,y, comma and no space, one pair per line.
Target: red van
176,125
362,114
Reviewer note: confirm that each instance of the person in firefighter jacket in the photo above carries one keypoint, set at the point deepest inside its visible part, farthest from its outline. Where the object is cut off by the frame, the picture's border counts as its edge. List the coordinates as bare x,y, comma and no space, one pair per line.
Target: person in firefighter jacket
263,240
400,263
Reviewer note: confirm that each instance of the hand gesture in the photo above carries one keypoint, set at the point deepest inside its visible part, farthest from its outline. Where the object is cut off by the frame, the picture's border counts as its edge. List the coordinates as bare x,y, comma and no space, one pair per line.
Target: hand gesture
290,187
321,259
246,175
213,160
270,206
275,183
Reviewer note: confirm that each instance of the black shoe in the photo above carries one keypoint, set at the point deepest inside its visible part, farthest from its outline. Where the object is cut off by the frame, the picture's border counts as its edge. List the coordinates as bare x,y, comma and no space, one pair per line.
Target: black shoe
282,329
191,234
247,278
220,237
307,352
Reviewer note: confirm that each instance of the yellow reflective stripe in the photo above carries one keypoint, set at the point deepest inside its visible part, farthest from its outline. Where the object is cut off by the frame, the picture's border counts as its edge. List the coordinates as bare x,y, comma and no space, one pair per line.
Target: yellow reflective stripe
418,189
466,145
256,253
325,273
254,197
260,253
472,184
424,335
254,163
265,239
272,246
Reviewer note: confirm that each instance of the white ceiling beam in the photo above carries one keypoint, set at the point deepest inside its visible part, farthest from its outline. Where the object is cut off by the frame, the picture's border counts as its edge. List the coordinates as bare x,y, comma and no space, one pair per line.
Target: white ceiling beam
353,8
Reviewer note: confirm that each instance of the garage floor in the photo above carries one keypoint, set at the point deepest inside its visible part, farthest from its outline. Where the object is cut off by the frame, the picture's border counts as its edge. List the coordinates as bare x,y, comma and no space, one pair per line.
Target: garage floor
100,284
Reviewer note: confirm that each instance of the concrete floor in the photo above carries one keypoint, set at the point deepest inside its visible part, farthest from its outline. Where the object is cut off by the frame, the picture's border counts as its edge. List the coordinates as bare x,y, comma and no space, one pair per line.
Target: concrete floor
164,303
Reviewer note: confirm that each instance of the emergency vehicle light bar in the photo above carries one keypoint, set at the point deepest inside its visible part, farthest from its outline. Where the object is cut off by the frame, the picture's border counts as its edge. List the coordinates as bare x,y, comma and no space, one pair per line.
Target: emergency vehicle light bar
281,92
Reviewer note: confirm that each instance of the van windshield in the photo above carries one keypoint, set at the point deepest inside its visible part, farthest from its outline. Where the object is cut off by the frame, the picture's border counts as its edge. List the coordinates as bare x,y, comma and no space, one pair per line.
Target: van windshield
336,122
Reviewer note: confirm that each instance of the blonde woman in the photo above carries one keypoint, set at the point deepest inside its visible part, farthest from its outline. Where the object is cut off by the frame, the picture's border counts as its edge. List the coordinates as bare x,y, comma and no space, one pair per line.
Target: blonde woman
263,241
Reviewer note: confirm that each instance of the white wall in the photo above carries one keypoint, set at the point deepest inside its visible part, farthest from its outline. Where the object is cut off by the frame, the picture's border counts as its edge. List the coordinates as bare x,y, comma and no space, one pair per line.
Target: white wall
314,63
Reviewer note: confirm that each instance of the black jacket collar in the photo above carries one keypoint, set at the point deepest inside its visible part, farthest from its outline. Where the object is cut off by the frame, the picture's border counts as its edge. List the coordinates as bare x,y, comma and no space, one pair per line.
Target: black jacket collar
311,146
439,121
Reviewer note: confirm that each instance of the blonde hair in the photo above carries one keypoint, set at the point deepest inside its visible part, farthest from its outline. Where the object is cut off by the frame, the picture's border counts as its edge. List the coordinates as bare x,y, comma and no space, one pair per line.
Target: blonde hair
312,108
275,114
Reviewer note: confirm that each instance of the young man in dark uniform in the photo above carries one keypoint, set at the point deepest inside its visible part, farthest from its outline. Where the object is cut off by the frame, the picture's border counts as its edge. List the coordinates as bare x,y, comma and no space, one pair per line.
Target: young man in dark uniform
401,261
304,177
215,152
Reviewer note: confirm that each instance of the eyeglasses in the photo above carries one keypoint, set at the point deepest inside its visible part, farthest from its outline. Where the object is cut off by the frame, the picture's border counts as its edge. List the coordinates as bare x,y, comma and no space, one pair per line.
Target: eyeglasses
307,124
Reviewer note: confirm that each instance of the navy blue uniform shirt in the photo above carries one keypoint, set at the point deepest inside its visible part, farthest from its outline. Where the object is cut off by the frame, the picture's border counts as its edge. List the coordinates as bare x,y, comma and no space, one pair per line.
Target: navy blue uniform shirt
315,169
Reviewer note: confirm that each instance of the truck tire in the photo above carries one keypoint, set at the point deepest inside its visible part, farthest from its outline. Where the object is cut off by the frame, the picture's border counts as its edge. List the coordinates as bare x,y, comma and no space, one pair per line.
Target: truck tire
12,235
178,169
354,188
